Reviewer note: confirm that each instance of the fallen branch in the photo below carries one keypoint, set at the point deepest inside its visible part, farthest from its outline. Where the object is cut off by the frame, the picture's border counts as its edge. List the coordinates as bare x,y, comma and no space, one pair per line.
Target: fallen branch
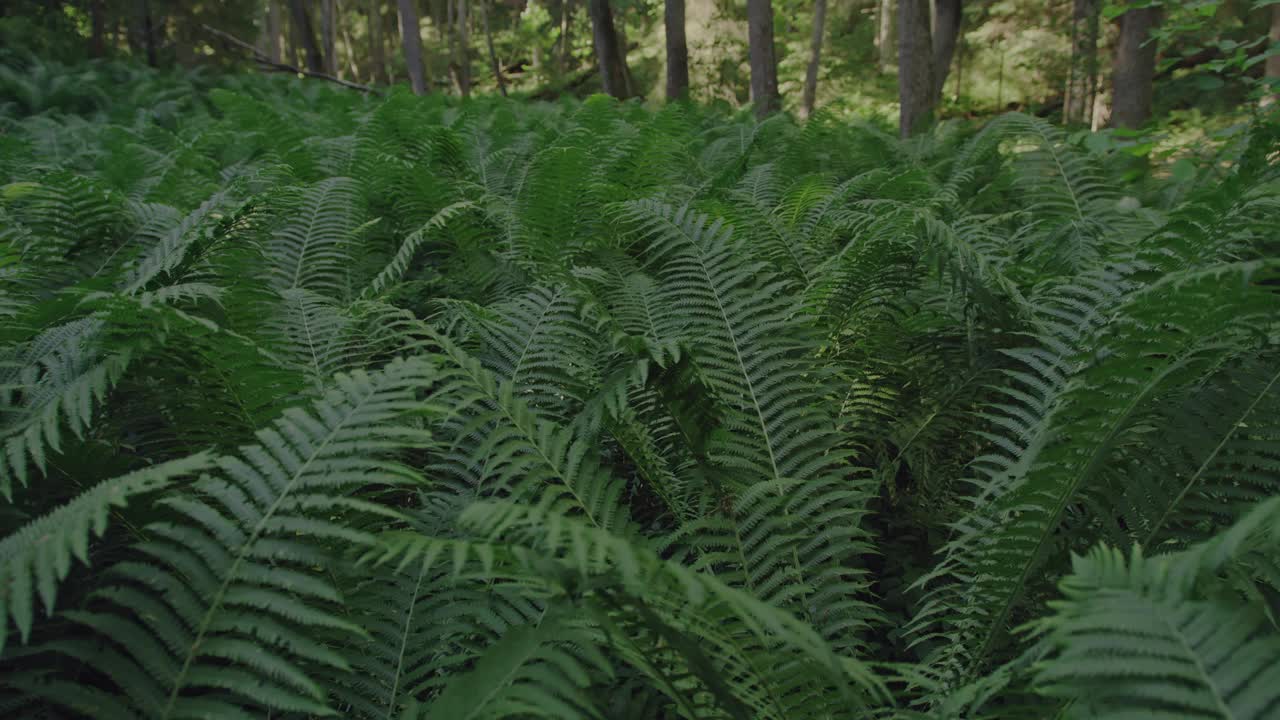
265,61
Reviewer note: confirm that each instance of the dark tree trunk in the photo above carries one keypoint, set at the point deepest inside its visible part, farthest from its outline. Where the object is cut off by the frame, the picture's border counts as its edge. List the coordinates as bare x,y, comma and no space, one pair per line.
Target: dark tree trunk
377,47
97,29
1273,62
915,73
1082,78
464,51
148,33
566,43
329,35
613,71
946,29
273,31
677,51
1135,68
764,64
306,36
815,57
886,37
493,54
412,45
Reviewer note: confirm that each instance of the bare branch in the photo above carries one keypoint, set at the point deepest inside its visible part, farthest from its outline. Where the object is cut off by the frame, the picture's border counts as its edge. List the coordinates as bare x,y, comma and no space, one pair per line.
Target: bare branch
267,62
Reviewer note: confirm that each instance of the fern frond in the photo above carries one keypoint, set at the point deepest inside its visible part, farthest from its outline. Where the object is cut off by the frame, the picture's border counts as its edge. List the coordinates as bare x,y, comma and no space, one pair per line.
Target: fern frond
35,558
1156,636
1067,416
311,247
243,598
777,450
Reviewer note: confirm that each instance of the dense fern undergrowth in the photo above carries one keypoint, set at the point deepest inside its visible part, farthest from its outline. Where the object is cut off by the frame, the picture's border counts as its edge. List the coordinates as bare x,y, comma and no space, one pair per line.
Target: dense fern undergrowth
314,404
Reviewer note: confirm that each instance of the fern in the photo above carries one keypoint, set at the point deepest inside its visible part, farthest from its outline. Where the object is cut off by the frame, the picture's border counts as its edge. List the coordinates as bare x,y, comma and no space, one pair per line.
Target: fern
1158,636
35,558
239,565
323,404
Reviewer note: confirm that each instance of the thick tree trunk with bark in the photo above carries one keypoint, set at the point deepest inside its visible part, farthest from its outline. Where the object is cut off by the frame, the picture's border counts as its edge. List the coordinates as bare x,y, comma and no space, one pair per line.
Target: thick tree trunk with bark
946,29
493,54
463,59
329,35
273,31
147,27
815,57
306,36
1082,79
97,29
1273,62
377,47
566,42
677,51
613,71
1135,68
764,64
886,33
915,72
412,45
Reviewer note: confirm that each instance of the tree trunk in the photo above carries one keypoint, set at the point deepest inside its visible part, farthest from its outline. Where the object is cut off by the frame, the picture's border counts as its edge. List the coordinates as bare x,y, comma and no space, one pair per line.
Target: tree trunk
273,31
353,66
493,55
148,33
412,45
620,25
946,28
815,58
764,65
566,43
328,33
1135,68
1082,78
886,35
613,72
97,29
306,36
677,51
464,51
915,74
1273,62
377,48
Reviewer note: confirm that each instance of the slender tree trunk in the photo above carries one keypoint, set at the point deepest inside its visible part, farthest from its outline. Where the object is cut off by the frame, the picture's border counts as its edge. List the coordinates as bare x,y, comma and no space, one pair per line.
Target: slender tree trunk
1273,63
273,31
1135,68
464,51
613,72
493,55
815,57
1082,79
566,42
946,28
148,33
886,33
353,66
915,74
328,34
97,29
377,47
764,65
412,45
306,35
677,51
620,25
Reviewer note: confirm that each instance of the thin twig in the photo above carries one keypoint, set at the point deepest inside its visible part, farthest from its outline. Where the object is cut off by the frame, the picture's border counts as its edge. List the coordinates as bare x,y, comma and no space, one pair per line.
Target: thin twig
265,61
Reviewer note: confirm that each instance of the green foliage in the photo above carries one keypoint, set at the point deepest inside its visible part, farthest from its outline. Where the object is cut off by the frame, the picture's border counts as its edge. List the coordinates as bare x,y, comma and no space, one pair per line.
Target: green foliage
403,408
